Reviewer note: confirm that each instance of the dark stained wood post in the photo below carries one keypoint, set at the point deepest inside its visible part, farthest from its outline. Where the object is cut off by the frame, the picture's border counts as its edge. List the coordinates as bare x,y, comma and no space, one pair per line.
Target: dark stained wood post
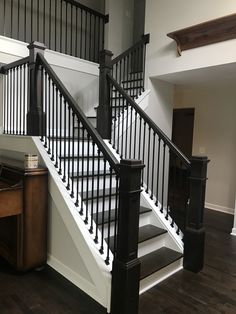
35,115
104,113
126,265
194,237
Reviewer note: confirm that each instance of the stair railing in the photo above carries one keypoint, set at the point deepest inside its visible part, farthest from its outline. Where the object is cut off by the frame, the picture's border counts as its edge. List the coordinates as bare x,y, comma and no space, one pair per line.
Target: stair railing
128,68
93,177
175,184
65,26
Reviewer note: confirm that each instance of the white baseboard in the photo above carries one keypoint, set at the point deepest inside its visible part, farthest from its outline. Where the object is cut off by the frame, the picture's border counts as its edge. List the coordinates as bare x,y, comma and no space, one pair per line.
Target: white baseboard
233,232
220,208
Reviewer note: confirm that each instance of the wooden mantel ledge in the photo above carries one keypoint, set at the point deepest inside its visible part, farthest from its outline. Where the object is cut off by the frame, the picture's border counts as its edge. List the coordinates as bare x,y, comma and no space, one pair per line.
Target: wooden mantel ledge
206,33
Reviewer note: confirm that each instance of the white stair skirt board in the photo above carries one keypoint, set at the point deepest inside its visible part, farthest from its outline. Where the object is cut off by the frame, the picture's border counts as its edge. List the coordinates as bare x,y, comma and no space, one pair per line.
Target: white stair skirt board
100,286
152,280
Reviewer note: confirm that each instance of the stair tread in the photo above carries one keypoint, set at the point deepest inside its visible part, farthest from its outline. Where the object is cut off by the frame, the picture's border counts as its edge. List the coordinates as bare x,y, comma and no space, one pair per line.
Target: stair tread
89,197
146,232
156,260
80,157
142,210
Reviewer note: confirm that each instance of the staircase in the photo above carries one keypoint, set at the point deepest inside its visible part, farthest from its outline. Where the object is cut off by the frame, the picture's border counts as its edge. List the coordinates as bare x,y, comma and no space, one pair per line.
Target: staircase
100,159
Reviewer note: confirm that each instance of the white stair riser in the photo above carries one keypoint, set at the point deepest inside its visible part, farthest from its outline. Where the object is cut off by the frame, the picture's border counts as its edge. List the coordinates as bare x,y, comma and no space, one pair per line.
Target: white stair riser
89,183
100,204
151,245
66,148
86,165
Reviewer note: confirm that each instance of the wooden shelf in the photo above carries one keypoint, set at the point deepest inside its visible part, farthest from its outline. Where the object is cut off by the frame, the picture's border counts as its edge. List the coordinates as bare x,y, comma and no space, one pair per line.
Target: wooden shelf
206,33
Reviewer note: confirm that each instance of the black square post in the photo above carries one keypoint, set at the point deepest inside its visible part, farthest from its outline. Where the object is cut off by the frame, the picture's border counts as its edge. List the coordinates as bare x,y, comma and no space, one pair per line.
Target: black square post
194,236
35,115
126,265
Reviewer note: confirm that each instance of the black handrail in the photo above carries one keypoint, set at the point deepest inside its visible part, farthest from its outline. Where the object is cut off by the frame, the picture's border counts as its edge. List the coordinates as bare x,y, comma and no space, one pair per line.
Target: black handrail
150,122
145,40
89,10
40,60
15,64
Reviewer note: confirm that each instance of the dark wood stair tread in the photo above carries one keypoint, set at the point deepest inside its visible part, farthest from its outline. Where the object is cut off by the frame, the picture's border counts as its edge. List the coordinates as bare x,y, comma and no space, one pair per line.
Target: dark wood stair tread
91,174
146,232
157,260
142,210
100,194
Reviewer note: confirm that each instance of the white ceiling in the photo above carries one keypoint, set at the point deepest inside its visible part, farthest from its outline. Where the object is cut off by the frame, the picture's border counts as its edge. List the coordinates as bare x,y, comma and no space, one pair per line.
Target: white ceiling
216,75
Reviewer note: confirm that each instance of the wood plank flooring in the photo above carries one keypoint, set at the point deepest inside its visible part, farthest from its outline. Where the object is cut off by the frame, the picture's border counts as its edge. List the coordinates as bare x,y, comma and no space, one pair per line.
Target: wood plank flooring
213,291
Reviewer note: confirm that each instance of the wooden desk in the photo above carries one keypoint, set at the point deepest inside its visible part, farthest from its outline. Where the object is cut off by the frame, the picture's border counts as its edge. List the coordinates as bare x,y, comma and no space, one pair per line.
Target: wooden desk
23,215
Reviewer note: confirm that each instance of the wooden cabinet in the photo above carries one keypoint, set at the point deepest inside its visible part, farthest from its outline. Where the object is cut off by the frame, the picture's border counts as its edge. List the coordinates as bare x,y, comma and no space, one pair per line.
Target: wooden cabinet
23,215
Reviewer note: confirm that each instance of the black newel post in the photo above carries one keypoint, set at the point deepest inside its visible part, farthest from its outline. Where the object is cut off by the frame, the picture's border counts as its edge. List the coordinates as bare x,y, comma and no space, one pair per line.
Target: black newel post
35,115
194,237
126,265
104,114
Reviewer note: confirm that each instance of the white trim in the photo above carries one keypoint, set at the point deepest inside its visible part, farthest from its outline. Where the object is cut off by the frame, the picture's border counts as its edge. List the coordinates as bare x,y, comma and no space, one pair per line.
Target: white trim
72,276
220,208
233,233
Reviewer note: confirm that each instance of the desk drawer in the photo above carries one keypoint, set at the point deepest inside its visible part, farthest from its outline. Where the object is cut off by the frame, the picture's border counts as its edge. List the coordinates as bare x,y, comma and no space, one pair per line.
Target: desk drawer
11,202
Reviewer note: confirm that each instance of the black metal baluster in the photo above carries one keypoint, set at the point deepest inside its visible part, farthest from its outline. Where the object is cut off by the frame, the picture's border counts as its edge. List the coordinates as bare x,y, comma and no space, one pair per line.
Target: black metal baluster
81,32
13,102
103,209
4,103
21,103
135,133
60,148
148,161
92,191
65,143
18,19
116,215
46,108
25,22
4,18
118,127
144,64
122,127
107,261
17,98
153,163
158,171
11,34
25,100
90,36
94,39
32,26
82,173
50,23
44,20
78,163
99,42
98,196
73,154
53,121
76,32
61,26
144,137
69,148
126,131
85,30
131,129
37,20
7,104
71,30
55,30
87,176
163,178
57,128
66,28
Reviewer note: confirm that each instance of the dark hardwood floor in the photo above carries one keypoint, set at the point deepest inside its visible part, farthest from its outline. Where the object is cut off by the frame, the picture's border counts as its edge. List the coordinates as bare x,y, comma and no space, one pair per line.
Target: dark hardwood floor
211,291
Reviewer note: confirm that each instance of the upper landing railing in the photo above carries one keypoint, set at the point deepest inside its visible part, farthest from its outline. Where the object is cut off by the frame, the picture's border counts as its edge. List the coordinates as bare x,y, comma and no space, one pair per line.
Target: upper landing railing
65,26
